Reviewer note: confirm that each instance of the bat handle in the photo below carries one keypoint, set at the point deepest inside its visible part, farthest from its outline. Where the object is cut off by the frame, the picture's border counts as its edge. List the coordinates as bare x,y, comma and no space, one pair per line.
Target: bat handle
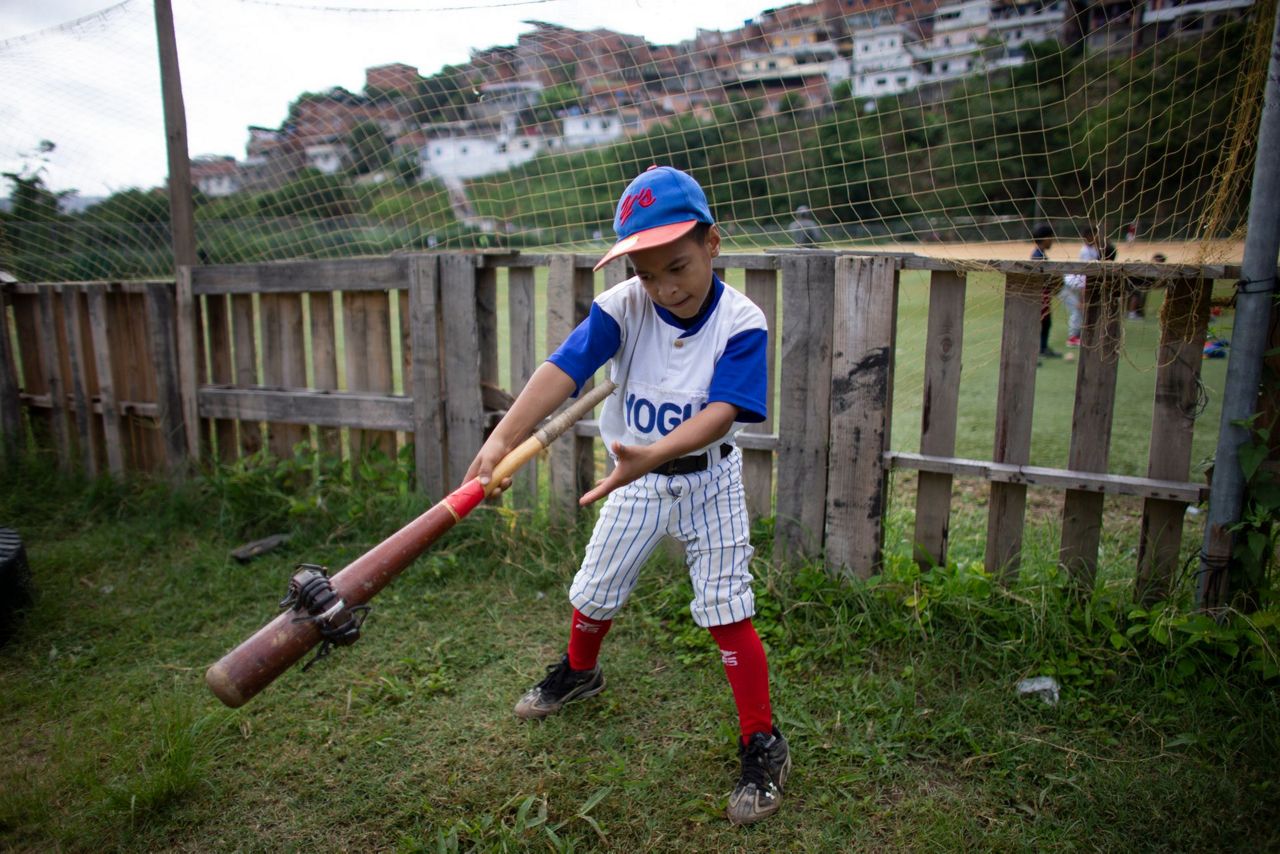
531,447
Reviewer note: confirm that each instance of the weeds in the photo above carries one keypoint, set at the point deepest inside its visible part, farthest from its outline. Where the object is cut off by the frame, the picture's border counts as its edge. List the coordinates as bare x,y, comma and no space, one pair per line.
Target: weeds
896,693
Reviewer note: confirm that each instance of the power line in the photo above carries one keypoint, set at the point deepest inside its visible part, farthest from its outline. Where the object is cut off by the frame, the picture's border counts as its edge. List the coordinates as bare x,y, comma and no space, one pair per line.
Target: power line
307,7
101,14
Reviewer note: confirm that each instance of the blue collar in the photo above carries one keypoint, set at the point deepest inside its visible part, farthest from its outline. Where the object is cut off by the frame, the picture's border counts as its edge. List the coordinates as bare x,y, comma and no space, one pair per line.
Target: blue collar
695,323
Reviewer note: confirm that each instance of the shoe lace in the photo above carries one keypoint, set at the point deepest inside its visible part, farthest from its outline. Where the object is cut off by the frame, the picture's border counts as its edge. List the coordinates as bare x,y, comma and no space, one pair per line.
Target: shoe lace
755,765
559,676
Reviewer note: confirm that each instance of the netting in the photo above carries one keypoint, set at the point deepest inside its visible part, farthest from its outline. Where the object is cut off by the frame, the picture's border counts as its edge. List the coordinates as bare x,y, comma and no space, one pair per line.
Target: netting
953,128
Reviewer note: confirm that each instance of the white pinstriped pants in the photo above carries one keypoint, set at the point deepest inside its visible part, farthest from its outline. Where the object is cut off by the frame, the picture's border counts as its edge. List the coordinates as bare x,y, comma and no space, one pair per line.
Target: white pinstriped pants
706,511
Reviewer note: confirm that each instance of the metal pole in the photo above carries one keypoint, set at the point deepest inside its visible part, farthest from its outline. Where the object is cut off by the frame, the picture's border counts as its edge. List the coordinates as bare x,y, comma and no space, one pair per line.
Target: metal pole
1248,343
181,206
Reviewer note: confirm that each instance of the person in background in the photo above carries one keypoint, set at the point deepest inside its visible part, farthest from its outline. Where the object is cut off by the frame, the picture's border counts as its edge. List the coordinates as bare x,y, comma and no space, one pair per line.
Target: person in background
1138,294
1073,284
1043,237
804,229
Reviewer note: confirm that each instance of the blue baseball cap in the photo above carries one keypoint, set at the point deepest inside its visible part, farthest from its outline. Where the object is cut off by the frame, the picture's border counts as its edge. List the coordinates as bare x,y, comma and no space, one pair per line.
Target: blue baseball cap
661,205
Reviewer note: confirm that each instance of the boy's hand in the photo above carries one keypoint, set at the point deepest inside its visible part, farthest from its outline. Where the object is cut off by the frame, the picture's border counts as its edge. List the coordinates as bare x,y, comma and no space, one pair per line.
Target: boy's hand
491,453
634,461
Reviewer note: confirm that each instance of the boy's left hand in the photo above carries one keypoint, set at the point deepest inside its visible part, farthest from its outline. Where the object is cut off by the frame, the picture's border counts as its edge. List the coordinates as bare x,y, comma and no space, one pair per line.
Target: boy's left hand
633,462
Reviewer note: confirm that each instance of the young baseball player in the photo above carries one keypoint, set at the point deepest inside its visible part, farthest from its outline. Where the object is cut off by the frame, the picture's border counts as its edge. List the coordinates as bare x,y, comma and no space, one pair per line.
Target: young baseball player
689,357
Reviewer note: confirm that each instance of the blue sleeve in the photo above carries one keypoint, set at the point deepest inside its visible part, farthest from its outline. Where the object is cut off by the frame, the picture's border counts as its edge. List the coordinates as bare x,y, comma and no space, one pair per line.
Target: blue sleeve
742,375
589,346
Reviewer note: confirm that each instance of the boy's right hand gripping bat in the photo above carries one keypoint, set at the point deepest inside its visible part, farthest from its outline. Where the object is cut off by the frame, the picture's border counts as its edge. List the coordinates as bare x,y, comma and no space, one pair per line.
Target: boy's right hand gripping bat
331,610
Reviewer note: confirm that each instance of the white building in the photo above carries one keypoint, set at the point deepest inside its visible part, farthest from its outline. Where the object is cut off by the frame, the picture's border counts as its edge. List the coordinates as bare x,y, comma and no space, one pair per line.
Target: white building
215,175
881,63
591,129
955,49
326,157
475,155
1019,22
1192,17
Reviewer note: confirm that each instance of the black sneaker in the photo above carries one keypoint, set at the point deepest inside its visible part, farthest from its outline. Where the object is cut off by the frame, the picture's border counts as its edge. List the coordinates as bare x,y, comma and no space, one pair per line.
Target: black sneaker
1050,353
766,762
562,685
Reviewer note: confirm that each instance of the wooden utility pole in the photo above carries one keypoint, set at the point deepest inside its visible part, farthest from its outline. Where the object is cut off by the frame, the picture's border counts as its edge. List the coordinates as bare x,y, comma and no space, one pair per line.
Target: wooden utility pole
183,225
181,206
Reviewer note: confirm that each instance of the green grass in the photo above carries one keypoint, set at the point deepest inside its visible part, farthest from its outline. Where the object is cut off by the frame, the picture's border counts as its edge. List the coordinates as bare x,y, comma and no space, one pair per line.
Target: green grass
897,694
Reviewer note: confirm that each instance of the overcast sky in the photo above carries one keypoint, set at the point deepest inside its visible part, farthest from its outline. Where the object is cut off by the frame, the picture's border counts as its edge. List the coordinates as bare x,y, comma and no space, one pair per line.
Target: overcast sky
93,87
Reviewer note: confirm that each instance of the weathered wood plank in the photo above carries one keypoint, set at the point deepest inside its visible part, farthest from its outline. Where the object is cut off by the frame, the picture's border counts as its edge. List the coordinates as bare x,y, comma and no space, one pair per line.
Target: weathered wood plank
78,362
163,349
1106,484
190,339
105,358
584,448
1183,318
31,377
10,405
365,410
864,321
282,362
487,323
51,364
808,306
537,259
521,333
562,317
1140,271
757,465
463,406
942,363
217,314
1015,398
366,322
1091,425
324,363
244,340
425,380
297,277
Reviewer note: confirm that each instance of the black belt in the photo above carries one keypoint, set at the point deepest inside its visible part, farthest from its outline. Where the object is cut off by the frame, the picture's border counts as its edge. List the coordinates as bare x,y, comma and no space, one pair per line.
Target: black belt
692,464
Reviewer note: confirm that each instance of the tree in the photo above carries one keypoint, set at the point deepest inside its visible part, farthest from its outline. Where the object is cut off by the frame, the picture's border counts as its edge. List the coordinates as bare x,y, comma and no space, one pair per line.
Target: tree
370,149
30,200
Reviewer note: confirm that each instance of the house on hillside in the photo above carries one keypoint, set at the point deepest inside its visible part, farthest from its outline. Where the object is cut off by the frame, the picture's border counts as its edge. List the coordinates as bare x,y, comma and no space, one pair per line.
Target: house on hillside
272,157
955,47
461,151
328,156
881,63
579,130
1191,18
215,175
1019,22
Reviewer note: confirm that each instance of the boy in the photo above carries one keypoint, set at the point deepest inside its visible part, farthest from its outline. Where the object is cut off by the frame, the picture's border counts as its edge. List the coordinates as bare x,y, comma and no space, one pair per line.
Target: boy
1043,236
689,357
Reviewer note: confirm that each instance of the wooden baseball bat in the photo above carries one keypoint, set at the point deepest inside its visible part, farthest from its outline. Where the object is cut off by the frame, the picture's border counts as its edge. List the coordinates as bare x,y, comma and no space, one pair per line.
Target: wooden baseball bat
255,664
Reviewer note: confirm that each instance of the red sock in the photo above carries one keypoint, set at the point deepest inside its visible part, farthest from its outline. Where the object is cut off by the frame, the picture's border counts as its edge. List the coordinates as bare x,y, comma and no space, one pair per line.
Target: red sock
585,637
748,672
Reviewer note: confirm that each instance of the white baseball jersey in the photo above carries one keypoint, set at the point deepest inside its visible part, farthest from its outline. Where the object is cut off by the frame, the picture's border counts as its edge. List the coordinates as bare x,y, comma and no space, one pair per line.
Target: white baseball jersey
667,370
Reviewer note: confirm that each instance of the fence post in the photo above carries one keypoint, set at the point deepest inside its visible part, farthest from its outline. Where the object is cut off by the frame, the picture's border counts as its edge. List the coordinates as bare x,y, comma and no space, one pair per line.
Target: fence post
757,465
463,406
105,364
866,308
10,403
521,333
1177,397
943,348
52,364
808,305
189,358
163,353
430,442
568,302
77,360
1019,343
1091,426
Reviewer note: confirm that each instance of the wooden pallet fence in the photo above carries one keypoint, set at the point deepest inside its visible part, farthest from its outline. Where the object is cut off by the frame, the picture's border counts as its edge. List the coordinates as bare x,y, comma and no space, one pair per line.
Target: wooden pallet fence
152,376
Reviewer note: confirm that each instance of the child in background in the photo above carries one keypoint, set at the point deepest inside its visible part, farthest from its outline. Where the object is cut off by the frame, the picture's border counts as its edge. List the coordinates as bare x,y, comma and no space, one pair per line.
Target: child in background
1073,284
689,357
1043,236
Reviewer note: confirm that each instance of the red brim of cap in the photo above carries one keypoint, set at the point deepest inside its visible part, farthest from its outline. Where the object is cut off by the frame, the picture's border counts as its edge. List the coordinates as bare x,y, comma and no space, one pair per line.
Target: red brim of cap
647,239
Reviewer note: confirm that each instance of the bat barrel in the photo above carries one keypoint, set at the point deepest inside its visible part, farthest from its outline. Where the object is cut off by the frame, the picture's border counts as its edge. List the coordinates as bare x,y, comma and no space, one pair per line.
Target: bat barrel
244,671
